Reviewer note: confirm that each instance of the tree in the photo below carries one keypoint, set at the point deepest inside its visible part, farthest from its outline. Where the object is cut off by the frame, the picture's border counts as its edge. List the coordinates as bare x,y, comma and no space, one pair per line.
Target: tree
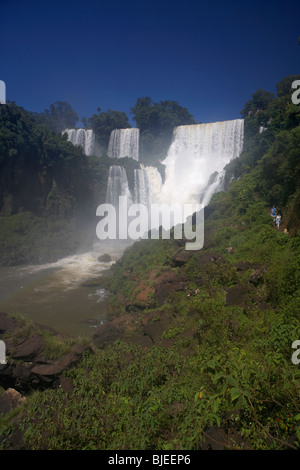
260,101
159,117
104,123
156,122
284,87
59,117
31,158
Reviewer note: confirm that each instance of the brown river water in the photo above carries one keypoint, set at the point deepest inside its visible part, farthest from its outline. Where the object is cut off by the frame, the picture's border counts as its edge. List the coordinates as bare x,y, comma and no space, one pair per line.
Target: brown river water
54,295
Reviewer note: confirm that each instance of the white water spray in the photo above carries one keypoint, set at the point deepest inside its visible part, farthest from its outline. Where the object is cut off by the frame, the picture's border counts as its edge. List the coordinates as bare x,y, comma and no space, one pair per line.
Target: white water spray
85,138
197,152
124,143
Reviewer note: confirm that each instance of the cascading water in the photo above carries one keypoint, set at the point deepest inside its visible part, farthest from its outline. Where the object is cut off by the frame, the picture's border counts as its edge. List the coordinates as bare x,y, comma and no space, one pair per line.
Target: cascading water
124,143
147,185
215,184
117,185
85,138
194,166
197,151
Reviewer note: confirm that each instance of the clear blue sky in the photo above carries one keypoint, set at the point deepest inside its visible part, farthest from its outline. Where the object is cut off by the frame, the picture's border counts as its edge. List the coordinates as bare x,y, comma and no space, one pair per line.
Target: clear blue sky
208,56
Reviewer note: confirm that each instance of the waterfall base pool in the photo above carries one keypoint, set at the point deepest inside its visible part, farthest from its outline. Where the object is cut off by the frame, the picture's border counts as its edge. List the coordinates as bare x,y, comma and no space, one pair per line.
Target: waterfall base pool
58,295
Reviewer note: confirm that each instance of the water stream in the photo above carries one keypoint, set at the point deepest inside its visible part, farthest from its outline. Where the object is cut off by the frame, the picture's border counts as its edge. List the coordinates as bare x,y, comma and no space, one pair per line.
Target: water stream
59,295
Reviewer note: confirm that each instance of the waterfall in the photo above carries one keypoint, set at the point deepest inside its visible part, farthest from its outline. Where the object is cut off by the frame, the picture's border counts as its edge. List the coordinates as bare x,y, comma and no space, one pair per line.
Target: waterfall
85,138
117,185
197,152
147,185
194,167
215,184
124,143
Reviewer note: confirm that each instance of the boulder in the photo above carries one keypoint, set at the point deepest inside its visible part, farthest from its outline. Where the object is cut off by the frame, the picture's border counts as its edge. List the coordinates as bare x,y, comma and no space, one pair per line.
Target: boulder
256,277
28,367
56,368
181,258
243,265
168,283
238,295
10,399
7,324
210,257
29,349
104,258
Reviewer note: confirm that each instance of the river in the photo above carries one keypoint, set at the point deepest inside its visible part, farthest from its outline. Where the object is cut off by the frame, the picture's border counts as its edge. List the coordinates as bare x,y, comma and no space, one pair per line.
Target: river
54,294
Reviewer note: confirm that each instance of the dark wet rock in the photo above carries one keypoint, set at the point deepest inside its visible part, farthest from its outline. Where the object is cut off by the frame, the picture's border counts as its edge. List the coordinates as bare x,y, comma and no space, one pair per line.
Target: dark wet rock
95,282
210,257
7,324
28,367
142,330
210,209
154,323
104,258
124,326
243,265
168,283
238,295
9,400
224,437
66,384
57,367
106,334
29,349
256,278
181,258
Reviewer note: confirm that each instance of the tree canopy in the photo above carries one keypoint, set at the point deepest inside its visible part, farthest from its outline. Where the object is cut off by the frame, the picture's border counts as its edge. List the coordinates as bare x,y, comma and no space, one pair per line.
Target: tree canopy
105,122
59,117
156,122
35,162
260,101
159,117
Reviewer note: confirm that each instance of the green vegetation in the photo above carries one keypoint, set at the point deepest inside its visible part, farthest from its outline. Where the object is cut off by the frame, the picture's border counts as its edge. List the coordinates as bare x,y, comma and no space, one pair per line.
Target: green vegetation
40,171
26,238
271,157
216,365
104,123
222,321
49,190
156,122
59,117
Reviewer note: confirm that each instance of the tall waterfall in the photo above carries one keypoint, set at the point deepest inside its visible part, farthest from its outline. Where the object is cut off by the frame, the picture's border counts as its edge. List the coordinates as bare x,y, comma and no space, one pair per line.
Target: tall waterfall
117,185
196,153
124,143
194,167
85,138
147,185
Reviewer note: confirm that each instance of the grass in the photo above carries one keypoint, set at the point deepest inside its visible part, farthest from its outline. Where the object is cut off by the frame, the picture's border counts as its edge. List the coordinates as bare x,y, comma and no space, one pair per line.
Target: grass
215,365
